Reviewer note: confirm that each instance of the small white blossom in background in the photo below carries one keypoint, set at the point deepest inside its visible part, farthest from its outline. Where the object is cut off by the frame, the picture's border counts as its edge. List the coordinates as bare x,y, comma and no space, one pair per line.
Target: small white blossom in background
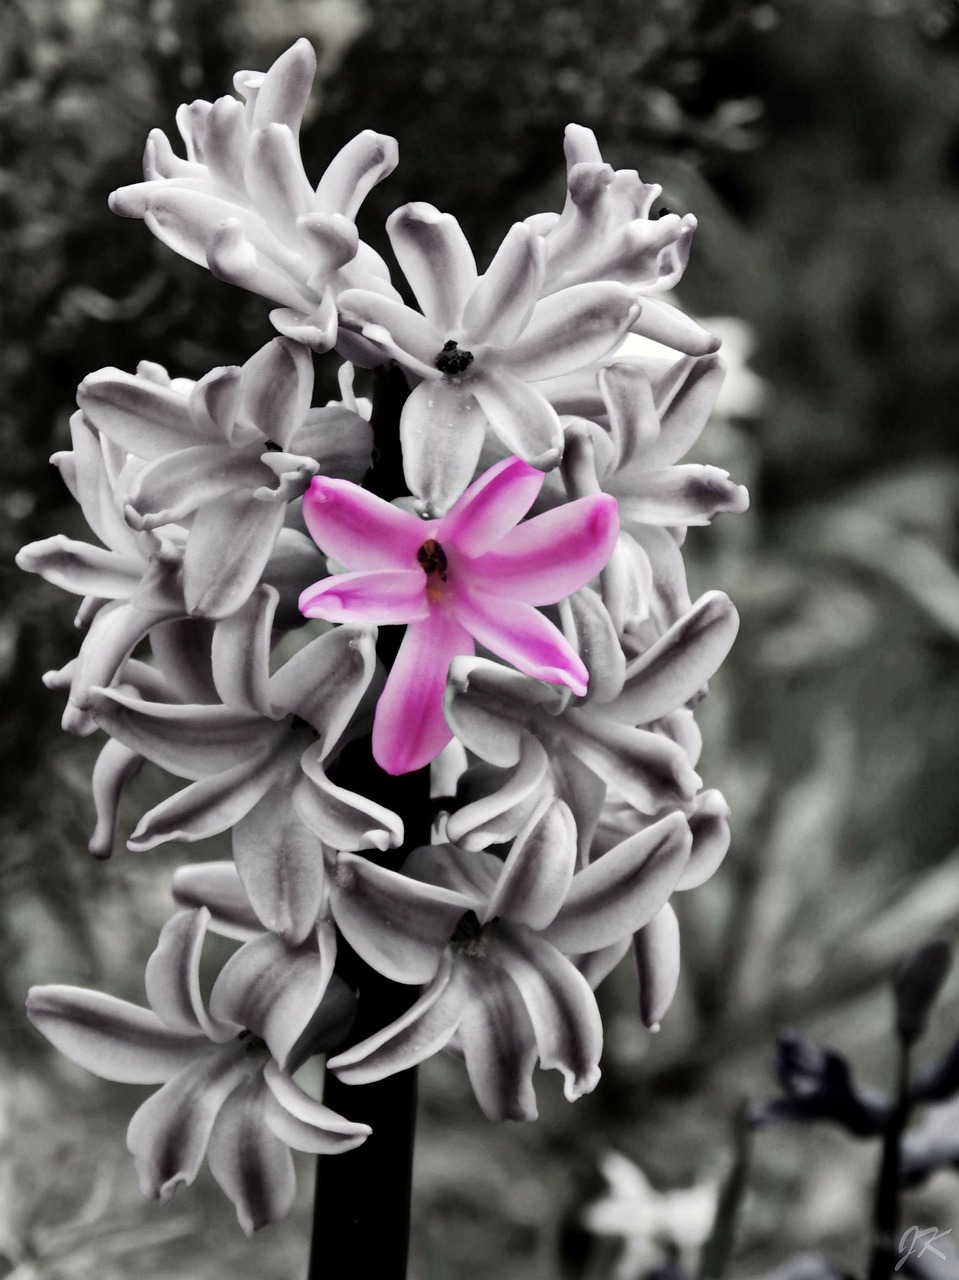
654,1226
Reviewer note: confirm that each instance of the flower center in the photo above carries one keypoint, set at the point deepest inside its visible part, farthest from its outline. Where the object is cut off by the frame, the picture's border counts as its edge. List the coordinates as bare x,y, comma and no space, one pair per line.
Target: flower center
468,937
451,360
432,559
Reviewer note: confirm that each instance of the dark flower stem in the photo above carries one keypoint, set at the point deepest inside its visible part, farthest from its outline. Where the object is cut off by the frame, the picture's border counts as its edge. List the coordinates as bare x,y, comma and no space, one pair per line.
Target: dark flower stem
885,1218
361,1213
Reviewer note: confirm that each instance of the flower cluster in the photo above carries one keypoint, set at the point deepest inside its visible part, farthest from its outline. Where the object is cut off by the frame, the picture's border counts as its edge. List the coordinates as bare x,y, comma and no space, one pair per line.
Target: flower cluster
550,664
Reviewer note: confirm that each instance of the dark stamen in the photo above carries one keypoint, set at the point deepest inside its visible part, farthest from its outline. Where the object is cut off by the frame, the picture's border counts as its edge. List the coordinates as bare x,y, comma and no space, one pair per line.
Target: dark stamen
432,558
468,929
272,447
451,360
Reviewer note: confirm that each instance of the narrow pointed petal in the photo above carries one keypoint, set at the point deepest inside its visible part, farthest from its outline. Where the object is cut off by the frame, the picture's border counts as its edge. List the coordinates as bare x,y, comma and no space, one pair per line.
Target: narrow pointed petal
561,1006
633,418
229,544
342,819
442,429
280,862
496,1037
502,302
709,823
572,328
353,172
206,807
168,1135
416,1035
112,636
284,91
650,770
488,706
240,653
656,952
589,628
358,529
379,596
546,559
518,634
277,387
217,886
415,341
79,567
623,889
399,926
501,814
110,1037
693,387
538,871
251,1165
115,766
173,978
142,417
304,1124
688,495
436,259
585,793
490,508
677,666
273,990
410,728
170,488
274,176
324,681
525,422
189,741
665,323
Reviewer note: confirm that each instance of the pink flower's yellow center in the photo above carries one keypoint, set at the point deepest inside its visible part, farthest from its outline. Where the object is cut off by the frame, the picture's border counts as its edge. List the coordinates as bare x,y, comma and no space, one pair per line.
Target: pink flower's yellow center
432,559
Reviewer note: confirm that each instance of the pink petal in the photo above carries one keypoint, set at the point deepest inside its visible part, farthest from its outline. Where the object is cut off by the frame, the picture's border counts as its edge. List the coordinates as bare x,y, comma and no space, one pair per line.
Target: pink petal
490,507
521,636
436,259
359,530
410,728
380,596
502,302
546,559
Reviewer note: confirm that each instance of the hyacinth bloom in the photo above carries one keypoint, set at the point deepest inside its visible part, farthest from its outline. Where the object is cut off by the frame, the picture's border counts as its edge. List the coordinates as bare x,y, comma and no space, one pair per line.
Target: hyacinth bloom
224,1065
476,574
241,204
491,939
477,346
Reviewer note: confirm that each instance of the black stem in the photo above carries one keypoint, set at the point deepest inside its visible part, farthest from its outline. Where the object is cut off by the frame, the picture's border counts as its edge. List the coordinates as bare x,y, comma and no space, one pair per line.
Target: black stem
885,1218
361,1212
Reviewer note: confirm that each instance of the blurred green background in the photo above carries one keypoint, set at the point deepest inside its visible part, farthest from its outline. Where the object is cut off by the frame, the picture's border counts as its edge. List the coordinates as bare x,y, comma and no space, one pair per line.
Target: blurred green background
818,143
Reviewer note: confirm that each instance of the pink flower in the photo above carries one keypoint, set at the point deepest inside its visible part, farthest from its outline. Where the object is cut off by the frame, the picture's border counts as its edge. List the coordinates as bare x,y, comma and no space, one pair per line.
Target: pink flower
476,574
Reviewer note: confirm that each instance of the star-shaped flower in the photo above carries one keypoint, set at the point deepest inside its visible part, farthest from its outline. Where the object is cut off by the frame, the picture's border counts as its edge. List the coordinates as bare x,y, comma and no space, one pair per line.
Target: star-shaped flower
477,574
225,1065
478,344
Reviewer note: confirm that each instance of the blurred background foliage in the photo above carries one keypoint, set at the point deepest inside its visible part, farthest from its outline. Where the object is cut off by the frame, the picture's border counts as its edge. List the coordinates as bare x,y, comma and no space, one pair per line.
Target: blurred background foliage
818,142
